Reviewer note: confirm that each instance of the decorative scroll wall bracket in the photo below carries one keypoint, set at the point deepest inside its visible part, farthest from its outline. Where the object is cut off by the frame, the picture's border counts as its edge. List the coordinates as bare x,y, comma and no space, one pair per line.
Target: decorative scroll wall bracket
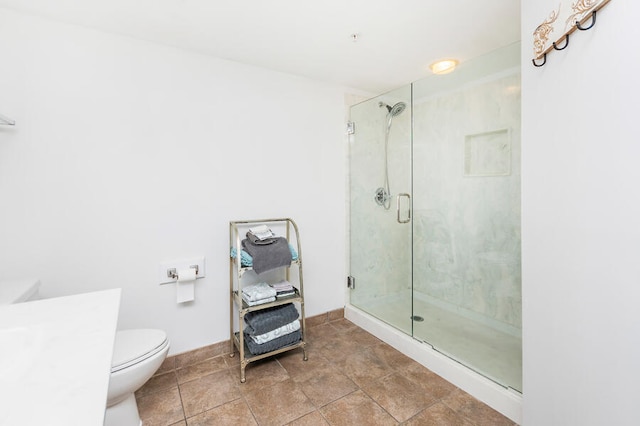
582,16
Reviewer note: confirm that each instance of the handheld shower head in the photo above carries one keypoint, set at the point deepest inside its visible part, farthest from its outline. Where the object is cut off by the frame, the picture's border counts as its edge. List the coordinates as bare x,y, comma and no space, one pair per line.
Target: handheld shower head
397,109
383,194
394,110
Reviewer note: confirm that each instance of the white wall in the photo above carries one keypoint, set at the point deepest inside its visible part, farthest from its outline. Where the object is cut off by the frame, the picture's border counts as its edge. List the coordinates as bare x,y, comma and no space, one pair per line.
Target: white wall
127,154
580,222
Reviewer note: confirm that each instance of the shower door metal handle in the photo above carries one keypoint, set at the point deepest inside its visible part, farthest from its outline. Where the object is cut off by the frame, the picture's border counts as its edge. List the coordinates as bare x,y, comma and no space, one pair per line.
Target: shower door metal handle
408,209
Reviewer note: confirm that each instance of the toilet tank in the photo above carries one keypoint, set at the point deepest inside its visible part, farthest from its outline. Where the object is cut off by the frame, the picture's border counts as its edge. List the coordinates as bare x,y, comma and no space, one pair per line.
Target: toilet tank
18,291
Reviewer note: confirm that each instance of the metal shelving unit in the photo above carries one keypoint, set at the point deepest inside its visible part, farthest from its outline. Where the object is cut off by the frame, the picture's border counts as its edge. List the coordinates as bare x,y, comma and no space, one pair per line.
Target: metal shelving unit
238,308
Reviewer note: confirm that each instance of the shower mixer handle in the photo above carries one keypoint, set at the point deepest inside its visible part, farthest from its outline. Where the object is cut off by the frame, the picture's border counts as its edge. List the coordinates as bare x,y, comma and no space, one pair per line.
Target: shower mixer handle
408,219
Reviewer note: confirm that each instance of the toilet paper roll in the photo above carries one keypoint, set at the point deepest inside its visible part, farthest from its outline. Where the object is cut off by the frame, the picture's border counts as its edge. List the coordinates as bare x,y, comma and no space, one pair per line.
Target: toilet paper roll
185,285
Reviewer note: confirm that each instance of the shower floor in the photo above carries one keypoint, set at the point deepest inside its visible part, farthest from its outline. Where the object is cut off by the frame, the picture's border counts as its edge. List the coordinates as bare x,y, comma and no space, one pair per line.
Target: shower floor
490,352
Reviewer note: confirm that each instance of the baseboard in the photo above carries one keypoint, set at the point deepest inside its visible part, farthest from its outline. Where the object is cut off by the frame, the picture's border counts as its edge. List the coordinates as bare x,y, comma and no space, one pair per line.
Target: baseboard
221,348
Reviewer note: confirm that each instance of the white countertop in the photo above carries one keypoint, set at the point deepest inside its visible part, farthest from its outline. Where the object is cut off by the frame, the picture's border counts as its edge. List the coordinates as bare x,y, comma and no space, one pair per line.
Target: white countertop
55,359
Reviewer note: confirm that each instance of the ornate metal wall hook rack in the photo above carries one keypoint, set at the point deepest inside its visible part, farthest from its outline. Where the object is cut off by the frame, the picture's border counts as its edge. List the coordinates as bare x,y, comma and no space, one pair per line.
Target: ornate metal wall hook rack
593,22
577,15
544,61
566,43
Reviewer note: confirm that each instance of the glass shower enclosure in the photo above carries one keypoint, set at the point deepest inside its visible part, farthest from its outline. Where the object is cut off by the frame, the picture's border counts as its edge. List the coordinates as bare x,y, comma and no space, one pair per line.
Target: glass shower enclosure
435,213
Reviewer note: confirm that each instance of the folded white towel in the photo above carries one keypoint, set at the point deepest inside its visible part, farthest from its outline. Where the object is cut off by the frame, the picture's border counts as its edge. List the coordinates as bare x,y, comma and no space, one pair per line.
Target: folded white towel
259,229
262,232
274,334
283,285
258,291
258,302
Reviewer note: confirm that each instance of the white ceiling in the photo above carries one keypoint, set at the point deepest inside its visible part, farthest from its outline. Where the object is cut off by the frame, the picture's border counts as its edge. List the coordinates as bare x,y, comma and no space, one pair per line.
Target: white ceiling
396,39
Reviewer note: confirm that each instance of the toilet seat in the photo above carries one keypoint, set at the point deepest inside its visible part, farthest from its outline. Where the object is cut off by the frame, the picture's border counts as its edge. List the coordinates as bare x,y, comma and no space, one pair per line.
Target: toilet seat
134,346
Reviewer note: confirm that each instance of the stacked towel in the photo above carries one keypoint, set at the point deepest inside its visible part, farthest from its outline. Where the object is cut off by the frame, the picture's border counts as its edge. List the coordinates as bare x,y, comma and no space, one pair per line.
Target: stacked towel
272,328
247,260
257,294
260,322
269,256
280,342
274,334
283,288
258,302
261,235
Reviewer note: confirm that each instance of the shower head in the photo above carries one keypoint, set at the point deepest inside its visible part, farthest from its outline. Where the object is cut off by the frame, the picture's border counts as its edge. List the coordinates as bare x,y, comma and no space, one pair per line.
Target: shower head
394,110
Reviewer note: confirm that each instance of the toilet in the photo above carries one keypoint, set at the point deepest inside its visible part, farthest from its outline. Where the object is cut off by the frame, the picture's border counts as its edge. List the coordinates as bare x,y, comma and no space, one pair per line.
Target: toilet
137,355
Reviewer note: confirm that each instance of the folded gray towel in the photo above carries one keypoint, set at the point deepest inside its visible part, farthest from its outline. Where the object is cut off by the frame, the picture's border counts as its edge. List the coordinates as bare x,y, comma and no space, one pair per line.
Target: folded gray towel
268,257
266,320
272,345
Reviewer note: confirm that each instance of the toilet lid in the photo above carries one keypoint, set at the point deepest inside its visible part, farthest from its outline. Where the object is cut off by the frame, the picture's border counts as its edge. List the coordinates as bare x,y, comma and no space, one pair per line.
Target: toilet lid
133,346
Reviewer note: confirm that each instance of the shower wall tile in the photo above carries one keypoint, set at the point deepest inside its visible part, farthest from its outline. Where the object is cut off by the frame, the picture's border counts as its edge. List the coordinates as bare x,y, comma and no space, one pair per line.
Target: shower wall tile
467,229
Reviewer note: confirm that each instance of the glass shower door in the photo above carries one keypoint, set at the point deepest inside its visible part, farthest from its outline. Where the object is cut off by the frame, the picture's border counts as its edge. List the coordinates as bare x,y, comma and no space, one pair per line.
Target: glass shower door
380,207
466,241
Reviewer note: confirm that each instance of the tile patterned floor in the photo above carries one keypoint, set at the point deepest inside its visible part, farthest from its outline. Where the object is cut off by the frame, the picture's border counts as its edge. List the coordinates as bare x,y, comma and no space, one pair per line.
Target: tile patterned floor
351,378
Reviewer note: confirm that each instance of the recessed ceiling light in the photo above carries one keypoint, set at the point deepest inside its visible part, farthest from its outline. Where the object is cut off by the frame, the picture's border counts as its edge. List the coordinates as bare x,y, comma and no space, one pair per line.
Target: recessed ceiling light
444,66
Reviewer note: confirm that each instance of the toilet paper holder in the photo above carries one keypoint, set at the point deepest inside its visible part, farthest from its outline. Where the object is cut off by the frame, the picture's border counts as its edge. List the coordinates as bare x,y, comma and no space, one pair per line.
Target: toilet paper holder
173,273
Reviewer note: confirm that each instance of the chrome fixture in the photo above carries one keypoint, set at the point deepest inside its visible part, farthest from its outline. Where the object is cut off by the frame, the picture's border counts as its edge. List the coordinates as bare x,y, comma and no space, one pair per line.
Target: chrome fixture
383,194
393,110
